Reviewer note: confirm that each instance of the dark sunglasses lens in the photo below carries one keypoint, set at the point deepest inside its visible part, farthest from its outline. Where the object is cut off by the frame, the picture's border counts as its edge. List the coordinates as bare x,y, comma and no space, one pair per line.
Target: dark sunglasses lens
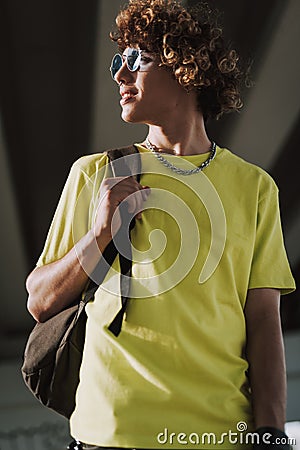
133,59
116,65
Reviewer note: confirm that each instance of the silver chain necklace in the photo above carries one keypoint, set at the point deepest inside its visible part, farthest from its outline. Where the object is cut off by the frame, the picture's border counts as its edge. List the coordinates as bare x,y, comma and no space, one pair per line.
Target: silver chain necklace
166,163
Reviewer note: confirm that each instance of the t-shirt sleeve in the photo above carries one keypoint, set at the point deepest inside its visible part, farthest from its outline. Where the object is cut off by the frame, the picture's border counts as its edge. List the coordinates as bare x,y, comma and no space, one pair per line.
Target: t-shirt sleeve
73,215
270,266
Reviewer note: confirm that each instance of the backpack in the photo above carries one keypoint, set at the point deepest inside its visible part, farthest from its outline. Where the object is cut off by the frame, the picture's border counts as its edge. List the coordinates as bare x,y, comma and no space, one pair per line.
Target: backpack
53,352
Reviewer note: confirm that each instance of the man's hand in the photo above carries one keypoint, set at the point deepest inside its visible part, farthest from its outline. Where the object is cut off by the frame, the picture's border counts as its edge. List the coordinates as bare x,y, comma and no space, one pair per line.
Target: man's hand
114,191
271,439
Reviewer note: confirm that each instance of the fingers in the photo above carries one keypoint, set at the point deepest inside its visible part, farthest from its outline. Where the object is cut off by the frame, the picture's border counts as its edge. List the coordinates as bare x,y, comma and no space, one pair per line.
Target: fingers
127,189
136,201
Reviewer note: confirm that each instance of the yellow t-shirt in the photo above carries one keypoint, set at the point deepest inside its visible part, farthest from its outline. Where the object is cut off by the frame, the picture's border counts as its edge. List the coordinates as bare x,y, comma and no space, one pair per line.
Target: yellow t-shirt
176,376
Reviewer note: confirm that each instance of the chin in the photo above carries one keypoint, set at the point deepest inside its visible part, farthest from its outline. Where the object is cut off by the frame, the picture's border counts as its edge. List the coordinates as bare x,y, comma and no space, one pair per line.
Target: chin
130,118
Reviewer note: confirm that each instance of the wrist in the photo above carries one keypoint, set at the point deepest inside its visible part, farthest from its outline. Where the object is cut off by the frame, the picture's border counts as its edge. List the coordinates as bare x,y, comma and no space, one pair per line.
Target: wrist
271,438
102,241
89,251
101,235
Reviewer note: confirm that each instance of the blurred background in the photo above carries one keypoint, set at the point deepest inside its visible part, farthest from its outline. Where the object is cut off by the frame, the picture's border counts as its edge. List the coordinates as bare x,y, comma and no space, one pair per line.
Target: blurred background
58,102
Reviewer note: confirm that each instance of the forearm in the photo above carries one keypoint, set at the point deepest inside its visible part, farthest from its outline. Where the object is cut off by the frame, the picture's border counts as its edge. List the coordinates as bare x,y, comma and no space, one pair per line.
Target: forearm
265,353
54,286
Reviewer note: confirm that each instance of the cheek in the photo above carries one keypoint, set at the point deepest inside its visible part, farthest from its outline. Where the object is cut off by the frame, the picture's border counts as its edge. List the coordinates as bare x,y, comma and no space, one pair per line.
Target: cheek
159,82
169,89
160,91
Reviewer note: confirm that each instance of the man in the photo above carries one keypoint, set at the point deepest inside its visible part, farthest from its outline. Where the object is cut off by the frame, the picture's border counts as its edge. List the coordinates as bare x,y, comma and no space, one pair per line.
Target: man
199,361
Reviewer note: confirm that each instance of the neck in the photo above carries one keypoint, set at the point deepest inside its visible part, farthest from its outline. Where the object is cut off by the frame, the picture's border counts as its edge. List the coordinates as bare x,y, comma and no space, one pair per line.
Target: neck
188,137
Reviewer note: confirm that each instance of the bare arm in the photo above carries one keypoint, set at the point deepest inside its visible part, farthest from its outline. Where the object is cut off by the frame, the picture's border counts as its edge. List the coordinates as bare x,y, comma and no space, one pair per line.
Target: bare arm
54,286
265,353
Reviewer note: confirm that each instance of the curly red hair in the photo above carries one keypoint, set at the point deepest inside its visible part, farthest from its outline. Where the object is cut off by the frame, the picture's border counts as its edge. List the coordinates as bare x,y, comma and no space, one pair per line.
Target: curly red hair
190,44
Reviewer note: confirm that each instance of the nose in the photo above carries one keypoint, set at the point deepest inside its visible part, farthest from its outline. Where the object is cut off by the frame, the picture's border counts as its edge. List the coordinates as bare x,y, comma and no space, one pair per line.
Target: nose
123,75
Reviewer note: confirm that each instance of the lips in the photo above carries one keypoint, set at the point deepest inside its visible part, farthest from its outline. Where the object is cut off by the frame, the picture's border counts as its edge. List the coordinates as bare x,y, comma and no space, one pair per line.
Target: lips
127,96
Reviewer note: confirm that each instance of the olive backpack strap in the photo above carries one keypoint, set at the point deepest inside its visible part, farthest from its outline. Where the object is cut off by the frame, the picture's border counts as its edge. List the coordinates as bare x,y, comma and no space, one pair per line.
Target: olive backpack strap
128,166
124,162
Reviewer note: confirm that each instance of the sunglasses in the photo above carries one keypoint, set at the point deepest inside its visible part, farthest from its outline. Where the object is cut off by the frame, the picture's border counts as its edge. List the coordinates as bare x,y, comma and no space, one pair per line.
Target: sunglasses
133,60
